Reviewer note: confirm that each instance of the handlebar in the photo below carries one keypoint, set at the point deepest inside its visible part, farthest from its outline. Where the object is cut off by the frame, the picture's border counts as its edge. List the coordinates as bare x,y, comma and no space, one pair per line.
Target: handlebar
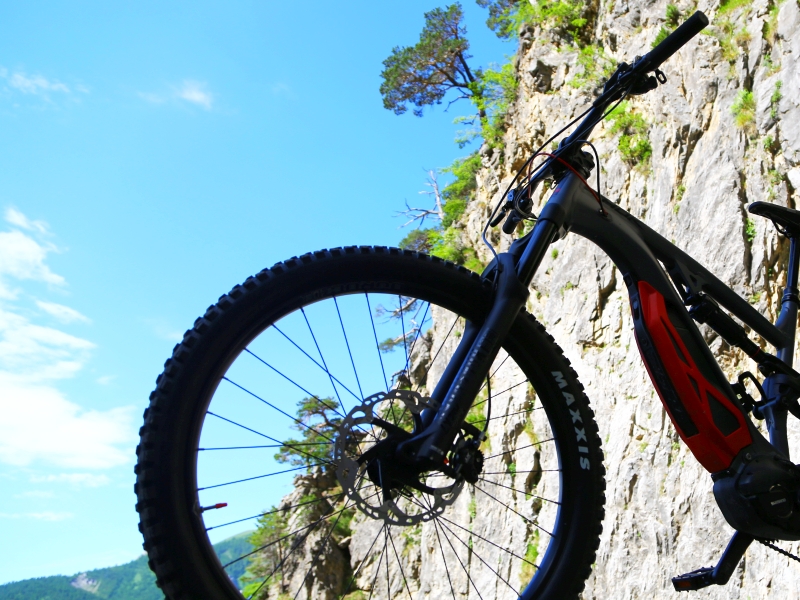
674,41
634,78
627,79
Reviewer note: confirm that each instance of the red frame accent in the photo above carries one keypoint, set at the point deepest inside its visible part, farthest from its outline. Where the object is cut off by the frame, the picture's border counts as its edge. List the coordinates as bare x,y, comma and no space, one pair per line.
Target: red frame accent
714,450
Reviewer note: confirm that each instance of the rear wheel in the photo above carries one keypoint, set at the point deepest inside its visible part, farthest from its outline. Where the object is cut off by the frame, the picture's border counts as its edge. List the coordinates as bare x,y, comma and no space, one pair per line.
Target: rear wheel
283,404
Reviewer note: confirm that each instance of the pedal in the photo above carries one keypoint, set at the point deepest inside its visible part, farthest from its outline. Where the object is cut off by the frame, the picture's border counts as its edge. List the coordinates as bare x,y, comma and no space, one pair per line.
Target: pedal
719,575
702,577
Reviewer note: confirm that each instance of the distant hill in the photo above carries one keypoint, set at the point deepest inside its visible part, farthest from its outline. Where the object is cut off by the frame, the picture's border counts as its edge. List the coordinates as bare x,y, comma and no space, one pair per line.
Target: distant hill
131,581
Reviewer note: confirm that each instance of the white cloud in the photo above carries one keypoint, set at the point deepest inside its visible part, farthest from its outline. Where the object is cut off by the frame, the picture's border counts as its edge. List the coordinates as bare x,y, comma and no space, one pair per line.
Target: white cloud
22,256
106,379
34,353
35,84
39,424
65,314
76,479
40,516
15,217
196,93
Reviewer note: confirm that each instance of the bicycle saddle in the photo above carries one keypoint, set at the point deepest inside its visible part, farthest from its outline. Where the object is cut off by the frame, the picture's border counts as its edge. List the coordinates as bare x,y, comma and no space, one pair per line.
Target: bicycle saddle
787,220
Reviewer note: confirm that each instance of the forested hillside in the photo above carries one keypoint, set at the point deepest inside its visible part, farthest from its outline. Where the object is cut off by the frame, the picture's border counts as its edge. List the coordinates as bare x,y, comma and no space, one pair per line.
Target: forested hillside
131,581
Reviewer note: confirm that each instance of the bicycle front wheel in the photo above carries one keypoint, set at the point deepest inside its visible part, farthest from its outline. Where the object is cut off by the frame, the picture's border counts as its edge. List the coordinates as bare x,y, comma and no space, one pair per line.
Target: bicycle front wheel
270,415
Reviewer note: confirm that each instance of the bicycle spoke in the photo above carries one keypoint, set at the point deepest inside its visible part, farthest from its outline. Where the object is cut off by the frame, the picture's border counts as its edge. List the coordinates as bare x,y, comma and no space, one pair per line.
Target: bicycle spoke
211,487
399,565
416,336
466,572
322,546
435,356
271,438
377,570
347,343
296,420
519,412
295,546
521,471
480,558
508,389
441,549
518,491
518,449
288,535
385,540
363,562
377,344
496,370
265,446
323,366
480,537
277,510
523,517
403,328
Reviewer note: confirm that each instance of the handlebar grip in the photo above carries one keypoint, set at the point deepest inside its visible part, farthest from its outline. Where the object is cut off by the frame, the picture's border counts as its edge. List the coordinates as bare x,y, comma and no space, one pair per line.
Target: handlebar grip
675,40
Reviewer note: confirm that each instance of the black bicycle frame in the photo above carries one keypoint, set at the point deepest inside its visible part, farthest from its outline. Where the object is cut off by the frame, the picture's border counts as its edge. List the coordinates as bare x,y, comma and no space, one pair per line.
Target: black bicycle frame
661,280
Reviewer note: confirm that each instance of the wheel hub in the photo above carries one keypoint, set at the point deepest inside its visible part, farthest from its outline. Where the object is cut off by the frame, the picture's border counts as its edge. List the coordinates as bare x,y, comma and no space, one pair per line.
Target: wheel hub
381,486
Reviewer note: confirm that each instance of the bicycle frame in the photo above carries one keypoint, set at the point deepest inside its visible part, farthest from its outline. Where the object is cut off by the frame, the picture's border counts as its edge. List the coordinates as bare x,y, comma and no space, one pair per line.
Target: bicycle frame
700,401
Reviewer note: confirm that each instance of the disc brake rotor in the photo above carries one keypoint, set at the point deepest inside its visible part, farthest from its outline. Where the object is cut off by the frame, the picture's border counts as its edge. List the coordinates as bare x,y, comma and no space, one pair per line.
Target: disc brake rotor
365,438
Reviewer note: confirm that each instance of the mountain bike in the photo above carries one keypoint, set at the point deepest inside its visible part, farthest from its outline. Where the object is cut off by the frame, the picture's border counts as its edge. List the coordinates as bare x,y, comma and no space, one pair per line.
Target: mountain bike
420,435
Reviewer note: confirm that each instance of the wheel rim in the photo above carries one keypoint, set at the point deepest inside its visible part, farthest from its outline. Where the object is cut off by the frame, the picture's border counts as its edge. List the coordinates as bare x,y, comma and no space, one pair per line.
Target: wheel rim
488,541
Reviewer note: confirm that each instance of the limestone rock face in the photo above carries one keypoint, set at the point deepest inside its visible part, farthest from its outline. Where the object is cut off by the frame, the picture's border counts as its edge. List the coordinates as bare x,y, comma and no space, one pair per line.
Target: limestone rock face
661,518
707,164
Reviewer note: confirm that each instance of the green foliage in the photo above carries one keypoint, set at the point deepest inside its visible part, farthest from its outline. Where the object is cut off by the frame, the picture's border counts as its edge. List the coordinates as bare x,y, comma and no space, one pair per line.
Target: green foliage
129,581
531,554
634,144
554,253
673,15
461,191
445,240
43,588
317,426
421,75
268,538
750,231
418,240
731,38
744,110
769,64
231,549
774,99
495,92
596,67
770,29
660,36
774,176
728,6
507,16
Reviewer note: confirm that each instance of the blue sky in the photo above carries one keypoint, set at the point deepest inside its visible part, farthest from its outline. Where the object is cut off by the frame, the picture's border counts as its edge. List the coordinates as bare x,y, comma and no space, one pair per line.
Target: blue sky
153,155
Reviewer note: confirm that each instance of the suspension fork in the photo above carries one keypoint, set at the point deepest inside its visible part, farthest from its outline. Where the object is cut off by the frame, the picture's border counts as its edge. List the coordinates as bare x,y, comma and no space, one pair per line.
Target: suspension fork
464,376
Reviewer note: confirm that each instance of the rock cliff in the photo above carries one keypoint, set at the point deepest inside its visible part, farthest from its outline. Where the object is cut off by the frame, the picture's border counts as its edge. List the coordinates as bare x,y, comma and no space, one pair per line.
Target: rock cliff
723,131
